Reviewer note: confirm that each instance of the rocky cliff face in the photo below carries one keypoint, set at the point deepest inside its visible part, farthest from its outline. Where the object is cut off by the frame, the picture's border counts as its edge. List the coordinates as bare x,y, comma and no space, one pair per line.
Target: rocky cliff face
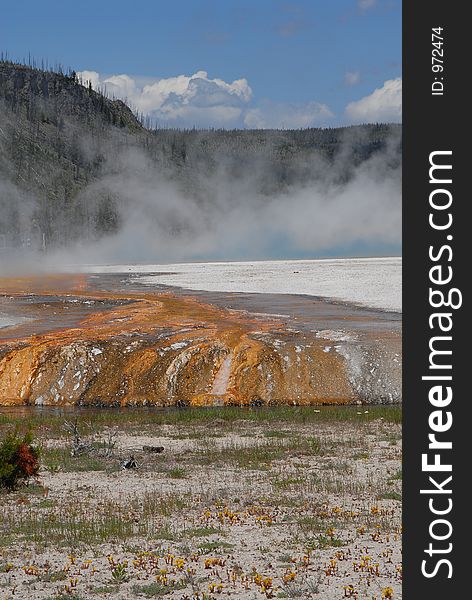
148,349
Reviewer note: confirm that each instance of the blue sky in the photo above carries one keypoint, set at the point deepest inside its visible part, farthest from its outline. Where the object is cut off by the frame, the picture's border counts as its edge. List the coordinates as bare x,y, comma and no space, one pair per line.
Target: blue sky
246,63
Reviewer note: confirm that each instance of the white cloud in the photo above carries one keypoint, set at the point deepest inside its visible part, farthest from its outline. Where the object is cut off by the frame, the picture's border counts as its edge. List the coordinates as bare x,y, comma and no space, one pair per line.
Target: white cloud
197,100
273,115
182,100
352,77
384,104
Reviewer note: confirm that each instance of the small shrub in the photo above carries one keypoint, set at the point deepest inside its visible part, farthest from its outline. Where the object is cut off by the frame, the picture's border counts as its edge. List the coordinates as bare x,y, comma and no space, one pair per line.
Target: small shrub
19,459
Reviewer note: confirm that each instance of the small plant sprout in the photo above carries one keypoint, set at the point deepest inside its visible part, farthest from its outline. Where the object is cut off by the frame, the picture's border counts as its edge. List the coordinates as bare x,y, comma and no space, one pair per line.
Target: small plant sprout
119,570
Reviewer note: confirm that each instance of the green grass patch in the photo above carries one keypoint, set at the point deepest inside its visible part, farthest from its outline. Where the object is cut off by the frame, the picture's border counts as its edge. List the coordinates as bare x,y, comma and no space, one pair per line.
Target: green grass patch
311,524
286,483
202,531
217,547
360,456
390,495
51,422
46,504
259,455
60,459
177,473
54,576
155,504
156,589
398,476
325,541
79,525
65,596
104,589
275,433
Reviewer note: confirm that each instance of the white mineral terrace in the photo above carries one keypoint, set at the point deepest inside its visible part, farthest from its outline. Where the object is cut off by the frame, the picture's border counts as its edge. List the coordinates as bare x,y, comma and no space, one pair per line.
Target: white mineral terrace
372,282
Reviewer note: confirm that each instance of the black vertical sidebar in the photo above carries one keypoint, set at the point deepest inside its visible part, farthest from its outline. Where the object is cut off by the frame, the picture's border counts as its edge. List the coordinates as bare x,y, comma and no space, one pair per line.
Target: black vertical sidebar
436,118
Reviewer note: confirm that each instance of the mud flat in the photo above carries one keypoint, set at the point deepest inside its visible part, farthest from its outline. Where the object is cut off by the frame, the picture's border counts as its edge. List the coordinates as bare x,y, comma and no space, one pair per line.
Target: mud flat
112,339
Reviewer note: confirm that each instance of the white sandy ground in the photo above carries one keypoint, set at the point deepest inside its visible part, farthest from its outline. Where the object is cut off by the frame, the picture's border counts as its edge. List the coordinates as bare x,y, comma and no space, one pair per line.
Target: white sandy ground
372,282
345,481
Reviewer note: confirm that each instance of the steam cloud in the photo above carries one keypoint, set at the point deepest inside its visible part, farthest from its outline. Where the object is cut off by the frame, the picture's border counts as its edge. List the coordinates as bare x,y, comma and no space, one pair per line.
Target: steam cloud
164,217
227,218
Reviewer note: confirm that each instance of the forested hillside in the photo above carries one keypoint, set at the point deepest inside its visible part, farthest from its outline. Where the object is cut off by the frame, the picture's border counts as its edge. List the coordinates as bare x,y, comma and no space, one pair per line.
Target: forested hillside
68,154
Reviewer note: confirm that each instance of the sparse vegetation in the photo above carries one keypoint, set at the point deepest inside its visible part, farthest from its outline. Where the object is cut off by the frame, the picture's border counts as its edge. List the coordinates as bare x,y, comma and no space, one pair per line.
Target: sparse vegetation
205,517
227,418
